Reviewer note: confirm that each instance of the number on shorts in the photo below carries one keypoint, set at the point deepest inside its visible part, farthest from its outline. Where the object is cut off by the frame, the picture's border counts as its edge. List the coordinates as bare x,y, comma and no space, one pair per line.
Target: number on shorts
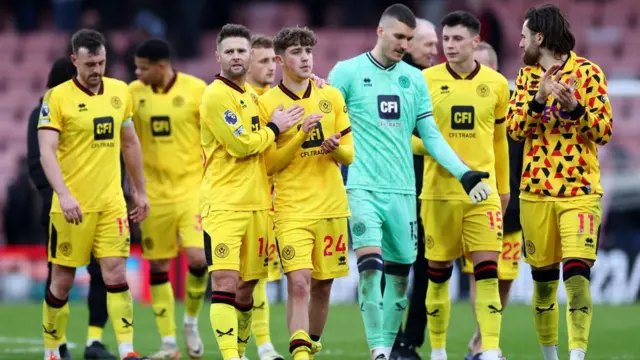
495,219
506,251
123,223
198,226
262,248
271,250
581,221
340,245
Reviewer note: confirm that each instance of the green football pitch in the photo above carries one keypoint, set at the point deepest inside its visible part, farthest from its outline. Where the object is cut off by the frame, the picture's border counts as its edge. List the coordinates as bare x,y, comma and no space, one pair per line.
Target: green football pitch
614,334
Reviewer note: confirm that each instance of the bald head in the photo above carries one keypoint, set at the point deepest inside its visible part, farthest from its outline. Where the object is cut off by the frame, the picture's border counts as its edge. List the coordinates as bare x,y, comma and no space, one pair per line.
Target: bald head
486,55
424,46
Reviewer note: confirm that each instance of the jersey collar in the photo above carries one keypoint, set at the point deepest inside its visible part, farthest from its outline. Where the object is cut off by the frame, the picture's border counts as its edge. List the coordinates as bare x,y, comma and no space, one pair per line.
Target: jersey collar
87,91
378,64
567,66
230,83
172,82
293,95
469,77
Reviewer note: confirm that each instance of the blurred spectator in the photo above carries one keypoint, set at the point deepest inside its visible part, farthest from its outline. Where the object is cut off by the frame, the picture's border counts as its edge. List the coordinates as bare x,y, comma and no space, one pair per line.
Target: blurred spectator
66,14
491,30
147,25
91,20
21,209
26,14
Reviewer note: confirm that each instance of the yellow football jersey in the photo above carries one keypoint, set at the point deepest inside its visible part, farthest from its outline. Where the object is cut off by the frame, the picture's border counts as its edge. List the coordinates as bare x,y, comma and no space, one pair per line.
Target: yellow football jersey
89,145
168,124
260,90
233,141
308,181
560,154
470,112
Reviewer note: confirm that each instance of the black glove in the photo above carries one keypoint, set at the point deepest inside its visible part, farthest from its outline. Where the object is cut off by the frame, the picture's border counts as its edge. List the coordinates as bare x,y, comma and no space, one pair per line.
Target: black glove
473,185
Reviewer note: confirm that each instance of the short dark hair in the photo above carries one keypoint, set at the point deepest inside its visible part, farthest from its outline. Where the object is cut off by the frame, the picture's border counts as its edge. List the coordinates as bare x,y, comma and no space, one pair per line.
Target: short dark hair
293,36
86,38
261,42
233,30
401,13
154,50
553,25
61,71
463,18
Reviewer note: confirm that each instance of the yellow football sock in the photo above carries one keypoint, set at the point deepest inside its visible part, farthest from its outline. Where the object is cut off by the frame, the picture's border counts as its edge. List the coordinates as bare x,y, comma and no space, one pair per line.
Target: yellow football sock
438,304
120,309
576,276
545,305
243,312
224,322
488,305
260,317
55,315
316,346
95,333
300,345
163,305
195,287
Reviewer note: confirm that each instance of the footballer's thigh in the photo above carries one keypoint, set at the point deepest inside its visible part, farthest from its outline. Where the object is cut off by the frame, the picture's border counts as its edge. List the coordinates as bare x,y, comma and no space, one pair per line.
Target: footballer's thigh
70,244
273,252
509,262
482,228
400,229
542,245
112,237
160,232
189,224
579,221
296,240
366,218
330,251
223,232
254,261
443,229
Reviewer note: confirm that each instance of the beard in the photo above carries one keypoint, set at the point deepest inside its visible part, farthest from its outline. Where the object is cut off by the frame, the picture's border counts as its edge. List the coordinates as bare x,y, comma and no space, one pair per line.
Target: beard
531,56
237,72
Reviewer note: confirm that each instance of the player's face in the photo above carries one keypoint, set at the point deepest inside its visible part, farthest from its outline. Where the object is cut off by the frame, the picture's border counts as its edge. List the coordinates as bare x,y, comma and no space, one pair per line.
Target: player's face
263,65
424,48
233,55
459,43
530,45
395,37
90,66
148,72
482,56
297,61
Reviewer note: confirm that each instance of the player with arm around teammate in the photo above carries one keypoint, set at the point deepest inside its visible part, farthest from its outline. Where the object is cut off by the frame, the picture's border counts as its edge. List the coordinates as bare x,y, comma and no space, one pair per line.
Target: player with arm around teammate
561,111
311,221
234,193
387,99
84,125
167,120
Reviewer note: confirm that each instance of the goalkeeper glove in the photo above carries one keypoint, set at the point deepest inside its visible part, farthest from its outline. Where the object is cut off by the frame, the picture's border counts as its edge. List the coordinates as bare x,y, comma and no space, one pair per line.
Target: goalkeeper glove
477,189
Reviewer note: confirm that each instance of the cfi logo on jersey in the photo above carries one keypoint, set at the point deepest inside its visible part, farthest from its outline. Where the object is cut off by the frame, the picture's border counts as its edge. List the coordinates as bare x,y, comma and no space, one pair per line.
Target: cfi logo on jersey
178,101
116,102
325,106
230,118
482,90
404,82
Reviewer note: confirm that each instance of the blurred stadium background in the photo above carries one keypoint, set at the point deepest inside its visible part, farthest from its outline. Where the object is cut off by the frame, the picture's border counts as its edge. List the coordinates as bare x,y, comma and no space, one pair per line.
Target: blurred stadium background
34,32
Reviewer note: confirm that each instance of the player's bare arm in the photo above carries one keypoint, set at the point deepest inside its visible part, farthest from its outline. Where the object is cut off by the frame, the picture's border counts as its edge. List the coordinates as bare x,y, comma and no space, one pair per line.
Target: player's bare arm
48,140
132,154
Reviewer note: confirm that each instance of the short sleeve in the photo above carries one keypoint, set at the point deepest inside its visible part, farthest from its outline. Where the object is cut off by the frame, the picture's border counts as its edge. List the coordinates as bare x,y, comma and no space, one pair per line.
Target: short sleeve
423,100
340,77
51,112
502,105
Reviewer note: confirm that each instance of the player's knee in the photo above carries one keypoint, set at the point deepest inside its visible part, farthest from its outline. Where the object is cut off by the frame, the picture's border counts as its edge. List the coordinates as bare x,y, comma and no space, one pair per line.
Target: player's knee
485,270
439,275
113,270
159,266
225,281
369,263
575,267
61,281
321,289
299,285
196,258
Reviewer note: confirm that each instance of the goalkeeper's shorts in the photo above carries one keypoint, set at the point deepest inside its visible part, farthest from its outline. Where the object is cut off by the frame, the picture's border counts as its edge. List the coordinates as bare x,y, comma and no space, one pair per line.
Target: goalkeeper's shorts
384,220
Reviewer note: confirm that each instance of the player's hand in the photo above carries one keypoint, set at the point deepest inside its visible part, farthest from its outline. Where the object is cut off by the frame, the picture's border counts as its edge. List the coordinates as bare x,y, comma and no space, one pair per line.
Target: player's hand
310,122
284,119
141,206
70,209
477,189
546,84
331,144
504,201
319,81
565,93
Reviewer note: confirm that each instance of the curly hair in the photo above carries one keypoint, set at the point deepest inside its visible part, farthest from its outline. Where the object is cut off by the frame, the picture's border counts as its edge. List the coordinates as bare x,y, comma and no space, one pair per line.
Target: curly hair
293,36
